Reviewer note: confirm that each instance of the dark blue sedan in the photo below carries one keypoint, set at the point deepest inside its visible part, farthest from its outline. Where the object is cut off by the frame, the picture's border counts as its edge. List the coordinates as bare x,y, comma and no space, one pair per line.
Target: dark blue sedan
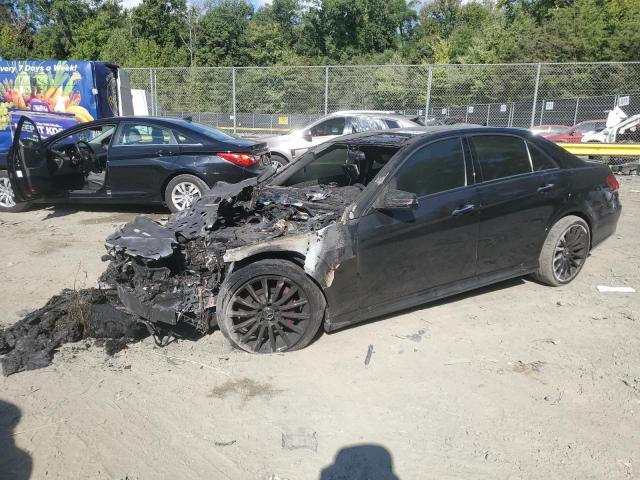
141,160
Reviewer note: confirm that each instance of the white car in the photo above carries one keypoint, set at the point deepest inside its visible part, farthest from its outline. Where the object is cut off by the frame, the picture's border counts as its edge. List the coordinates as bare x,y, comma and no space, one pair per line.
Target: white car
287,148
620,128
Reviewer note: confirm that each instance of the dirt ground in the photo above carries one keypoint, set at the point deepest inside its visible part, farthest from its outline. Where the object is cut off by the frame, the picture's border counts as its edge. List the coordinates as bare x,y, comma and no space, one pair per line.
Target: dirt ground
516,381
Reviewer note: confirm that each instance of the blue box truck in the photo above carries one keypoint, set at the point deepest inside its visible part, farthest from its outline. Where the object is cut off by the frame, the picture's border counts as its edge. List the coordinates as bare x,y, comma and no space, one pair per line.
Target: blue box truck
57,95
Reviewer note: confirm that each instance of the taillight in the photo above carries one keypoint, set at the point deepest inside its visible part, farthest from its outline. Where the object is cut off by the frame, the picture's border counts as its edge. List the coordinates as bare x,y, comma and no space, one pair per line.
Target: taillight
240,159
612,182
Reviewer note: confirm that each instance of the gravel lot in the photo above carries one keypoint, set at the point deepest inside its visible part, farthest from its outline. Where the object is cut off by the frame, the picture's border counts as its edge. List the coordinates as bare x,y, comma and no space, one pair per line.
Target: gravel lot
516,381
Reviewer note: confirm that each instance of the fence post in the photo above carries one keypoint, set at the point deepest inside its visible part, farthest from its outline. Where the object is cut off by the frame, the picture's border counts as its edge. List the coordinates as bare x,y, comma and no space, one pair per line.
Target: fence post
575,115
233,96
155,91
535,97
488,114
428,102
326,89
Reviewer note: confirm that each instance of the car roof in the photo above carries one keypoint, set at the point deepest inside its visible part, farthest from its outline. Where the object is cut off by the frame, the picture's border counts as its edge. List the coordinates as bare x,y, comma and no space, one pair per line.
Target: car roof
404,136
373,113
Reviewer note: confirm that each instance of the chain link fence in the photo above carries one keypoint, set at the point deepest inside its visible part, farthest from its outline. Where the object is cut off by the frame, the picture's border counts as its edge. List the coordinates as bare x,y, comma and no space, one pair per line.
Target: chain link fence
272,100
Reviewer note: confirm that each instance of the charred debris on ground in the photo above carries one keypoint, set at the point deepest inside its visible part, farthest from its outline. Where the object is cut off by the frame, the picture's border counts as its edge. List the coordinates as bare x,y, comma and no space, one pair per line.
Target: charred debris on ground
173,270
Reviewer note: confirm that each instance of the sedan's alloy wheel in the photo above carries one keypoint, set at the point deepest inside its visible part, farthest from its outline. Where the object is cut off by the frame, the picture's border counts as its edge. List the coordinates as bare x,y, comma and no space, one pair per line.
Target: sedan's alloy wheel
7,198
184,194
269,313
571,252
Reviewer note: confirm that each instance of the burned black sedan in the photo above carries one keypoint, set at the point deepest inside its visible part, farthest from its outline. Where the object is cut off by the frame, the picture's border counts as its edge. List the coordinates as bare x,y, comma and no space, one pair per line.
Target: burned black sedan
362,226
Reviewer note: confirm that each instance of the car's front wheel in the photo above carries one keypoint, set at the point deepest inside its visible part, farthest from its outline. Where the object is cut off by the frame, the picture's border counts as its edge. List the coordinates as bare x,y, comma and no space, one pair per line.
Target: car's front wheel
182,191
564,251
7,198
270,306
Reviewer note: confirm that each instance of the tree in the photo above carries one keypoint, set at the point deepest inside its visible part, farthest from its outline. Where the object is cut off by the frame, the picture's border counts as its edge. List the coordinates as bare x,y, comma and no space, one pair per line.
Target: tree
222,39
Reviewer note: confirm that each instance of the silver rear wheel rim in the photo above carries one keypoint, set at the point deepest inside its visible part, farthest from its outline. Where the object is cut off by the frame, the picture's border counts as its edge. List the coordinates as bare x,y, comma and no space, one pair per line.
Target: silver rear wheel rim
7,198
184,194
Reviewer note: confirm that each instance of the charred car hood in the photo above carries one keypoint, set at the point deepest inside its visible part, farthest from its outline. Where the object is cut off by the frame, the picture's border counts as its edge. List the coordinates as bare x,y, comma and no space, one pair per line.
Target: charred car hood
173,272
234,216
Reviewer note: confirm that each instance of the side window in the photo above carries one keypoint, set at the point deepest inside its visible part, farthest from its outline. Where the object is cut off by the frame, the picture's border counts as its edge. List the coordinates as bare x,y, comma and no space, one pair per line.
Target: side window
434,168
333,126
139,134
539,159
392,123
501,156
367,124
97,136
184,139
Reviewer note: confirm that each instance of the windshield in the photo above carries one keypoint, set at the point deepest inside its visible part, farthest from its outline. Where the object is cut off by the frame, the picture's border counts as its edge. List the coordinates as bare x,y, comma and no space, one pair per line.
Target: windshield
212,132
337,165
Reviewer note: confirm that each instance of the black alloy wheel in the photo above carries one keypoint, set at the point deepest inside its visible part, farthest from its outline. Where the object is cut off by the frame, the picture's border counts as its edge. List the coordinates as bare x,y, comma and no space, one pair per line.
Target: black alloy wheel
571,252
564,252
270,306
269,314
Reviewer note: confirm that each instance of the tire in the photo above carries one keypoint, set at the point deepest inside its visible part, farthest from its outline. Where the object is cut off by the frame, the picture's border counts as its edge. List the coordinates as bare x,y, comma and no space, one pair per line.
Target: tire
186,187
7,199
278,161
572,235
259,323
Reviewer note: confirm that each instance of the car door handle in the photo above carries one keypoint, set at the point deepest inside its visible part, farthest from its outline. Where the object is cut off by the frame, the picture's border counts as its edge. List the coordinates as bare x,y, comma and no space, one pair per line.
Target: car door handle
163,153
463,210
546,188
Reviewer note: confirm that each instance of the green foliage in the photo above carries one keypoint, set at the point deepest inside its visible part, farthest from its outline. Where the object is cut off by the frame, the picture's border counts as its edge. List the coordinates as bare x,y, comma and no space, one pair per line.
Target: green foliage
311,32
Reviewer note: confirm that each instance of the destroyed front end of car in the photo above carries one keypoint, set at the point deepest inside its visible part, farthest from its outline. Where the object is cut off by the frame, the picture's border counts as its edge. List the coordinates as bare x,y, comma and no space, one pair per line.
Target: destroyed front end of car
172,273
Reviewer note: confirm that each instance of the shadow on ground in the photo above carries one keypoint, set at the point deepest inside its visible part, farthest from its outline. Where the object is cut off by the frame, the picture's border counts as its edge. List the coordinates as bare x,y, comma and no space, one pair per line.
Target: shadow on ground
15,464
361,462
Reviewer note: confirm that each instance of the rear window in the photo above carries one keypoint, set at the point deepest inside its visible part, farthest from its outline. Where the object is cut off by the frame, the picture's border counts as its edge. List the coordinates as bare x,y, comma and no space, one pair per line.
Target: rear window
212,133
501,156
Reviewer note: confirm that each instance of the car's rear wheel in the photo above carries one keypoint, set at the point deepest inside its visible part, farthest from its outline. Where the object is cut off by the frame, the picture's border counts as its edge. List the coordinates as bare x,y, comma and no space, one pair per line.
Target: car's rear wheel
7,197
182,191
564,252
278,161
270,306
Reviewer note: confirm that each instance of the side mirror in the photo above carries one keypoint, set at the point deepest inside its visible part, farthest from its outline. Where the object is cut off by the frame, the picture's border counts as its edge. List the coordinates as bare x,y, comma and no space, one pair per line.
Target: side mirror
307,135
398,200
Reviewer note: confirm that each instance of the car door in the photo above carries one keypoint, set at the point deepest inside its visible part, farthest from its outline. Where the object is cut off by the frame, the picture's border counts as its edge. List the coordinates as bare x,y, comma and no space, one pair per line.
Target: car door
516,203
404,252
32,172
141,156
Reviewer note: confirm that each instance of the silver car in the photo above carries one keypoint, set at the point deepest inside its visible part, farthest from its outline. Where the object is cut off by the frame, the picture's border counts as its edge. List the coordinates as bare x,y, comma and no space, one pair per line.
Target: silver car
287,148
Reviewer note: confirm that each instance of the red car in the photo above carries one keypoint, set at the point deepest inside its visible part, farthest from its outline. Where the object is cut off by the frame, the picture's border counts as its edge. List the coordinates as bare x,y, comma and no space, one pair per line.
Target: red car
575,133
547,130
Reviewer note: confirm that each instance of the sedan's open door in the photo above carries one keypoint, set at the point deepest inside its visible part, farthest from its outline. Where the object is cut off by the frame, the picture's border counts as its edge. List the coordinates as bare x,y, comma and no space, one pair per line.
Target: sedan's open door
30,174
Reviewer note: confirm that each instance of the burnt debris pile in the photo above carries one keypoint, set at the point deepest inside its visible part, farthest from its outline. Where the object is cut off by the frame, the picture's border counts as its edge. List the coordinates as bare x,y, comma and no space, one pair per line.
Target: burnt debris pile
68,317
169,274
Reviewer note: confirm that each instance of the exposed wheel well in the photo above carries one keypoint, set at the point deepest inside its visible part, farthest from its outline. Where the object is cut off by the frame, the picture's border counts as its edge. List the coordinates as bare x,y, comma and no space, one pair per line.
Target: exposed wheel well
163,188
293,257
